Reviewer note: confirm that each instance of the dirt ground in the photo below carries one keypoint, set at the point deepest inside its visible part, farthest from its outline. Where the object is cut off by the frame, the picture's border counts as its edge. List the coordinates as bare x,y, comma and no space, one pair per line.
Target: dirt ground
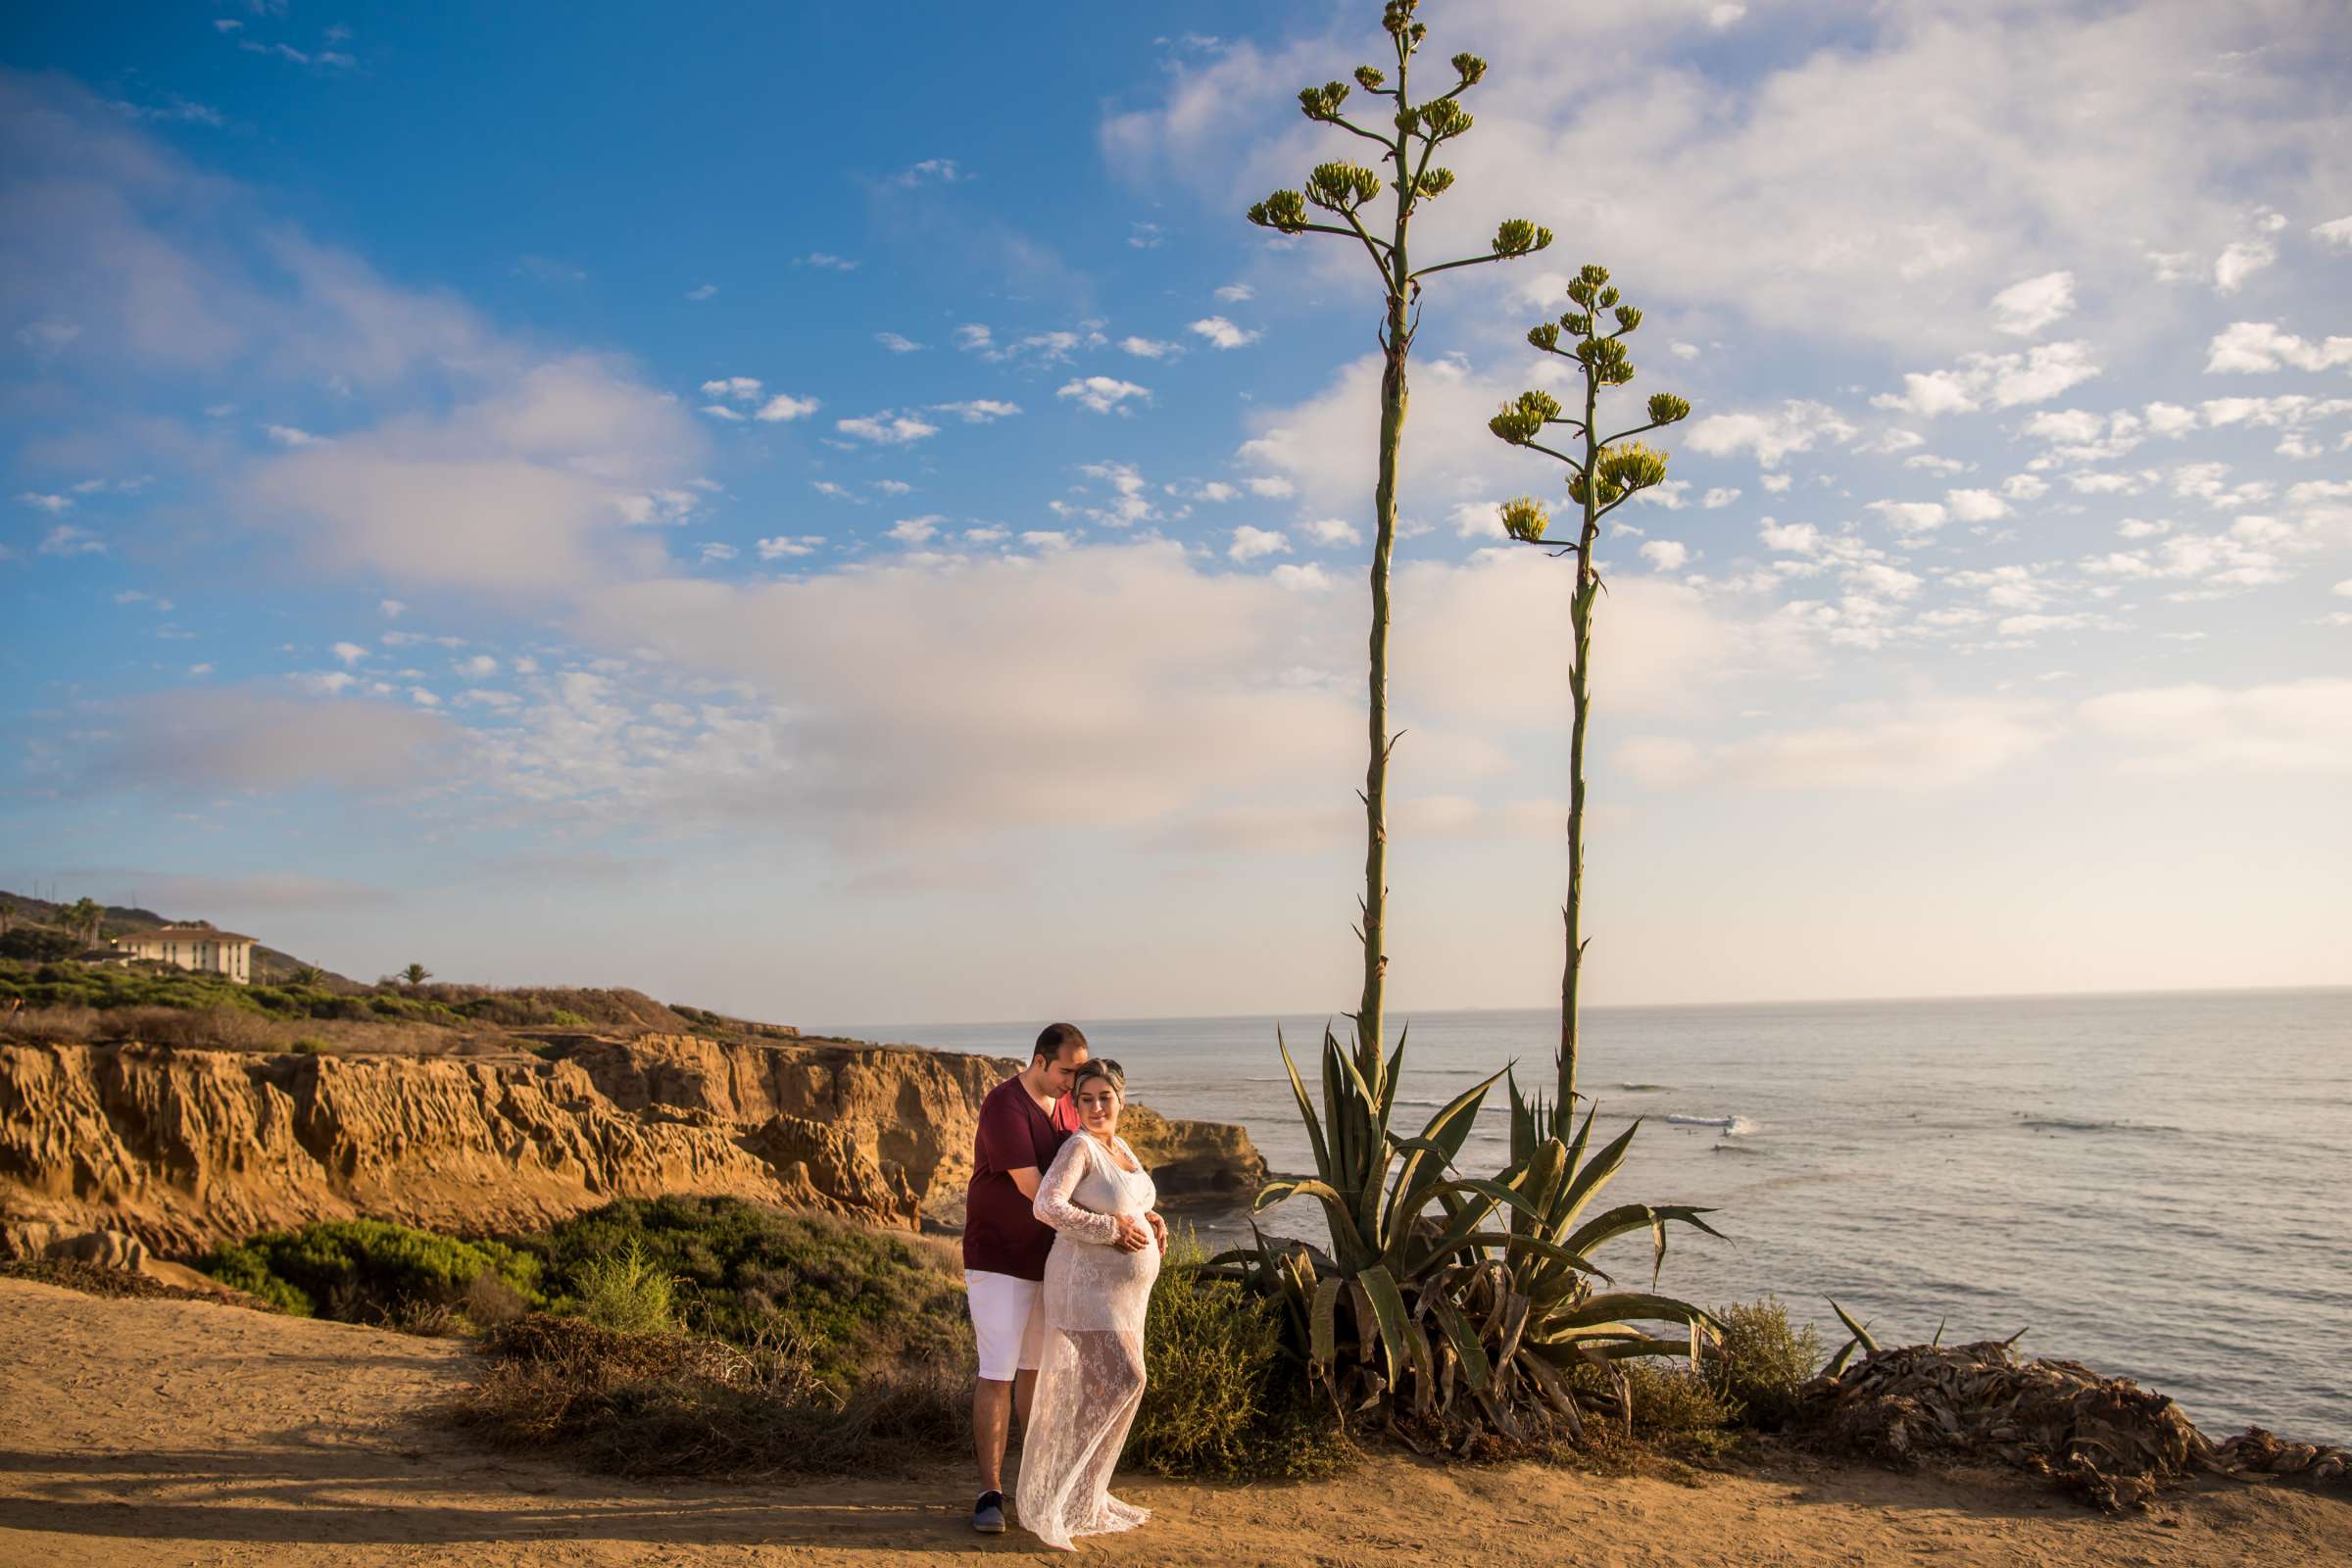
184,1432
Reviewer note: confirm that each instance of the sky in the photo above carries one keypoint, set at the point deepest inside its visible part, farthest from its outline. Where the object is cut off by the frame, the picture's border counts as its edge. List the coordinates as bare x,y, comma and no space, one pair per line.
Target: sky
830,512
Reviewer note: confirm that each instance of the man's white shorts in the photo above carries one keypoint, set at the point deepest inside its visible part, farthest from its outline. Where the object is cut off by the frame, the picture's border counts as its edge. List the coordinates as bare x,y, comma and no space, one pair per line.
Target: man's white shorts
1008,1323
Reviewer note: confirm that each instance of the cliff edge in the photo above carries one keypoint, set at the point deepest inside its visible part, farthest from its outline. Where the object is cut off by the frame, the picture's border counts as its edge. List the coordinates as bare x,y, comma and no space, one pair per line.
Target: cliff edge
184,1149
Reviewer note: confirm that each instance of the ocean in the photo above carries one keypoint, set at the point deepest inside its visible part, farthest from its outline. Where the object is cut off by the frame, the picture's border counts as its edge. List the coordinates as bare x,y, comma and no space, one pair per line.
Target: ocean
2154,1185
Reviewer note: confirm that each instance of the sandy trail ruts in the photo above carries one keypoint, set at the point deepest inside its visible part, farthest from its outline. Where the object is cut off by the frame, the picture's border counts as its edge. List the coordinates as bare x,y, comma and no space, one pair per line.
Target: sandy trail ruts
181,1432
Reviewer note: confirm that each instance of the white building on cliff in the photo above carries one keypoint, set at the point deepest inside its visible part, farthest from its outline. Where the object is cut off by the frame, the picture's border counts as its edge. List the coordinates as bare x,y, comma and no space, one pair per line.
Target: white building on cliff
193,947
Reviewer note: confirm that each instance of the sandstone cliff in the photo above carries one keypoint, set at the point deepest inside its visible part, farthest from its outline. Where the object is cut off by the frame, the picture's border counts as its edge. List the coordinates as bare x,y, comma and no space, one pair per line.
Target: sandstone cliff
183,1149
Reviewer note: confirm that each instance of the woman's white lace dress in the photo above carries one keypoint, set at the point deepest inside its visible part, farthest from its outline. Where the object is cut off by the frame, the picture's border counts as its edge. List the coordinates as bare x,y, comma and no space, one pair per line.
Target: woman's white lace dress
1090,1380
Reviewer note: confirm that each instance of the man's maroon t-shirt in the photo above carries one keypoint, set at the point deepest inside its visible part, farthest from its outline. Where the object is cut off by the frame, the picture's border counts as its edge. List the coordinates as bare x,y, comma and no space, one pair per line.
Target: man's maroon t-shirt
1001,1232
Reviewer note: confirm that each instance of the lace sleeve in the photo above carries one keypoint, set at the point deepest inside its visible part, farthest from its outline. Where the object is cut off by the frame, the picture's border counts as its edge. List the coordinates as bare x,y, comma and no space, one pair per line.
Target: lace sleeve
1053,1206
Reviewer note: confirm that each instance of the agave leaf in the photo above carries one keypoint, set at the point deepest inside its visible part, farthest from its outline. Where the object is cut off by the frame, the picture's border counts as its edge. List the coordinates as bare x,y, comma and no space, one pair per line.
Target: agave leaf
1393,1076
1629,1349
1447,1131
1306,1111
1404,1345
1344,1230
1516,1309
1846,1354
1475,1369
1323,1341
1549,1251
1860,1333
1595,1174
1631,1304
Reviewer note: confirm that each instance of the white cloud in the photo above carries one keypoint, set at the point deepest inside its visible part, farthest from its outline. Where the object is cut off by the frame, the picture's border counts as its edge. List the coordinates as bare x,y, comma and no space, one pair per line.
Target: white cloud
1046,539
1102,394
2252,347
54,504
1218,490
787,547
740,388
1273,487
1334,531
2240,260
701,291
68,540
720,410
1994,380
1909,517
1301,579
1145,348
349,653
979,410
2025,308
1250,543
1718,498
1477,519
2342,590
784,406
1925,745
2288,727
825,261
1793,428
917,531
1131,501
973,337
1976,505
887,428
1665,554
1236,293
1145,236
2025,487
898,343
2335,232
1223,334
391,608
932,172
286,435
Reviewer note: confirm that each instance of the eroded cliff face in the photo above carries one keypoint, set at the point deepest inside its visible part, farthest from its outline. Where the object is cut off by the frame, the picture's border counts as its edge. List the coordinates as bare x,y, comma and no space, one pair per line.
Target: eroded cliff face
187,1148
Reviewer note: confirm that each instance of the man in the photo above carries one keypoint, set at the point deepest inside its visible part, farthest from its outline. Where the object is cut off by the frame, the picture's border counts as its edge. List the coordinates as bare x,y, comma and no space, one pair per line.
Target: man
1023,1124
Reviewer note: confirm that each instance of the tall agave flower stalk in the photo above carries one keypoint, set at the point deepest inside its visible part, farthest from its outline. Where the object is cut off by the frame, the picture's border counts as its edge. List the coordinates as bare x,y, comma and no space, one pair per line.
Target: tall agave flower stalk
1604,474
1408,134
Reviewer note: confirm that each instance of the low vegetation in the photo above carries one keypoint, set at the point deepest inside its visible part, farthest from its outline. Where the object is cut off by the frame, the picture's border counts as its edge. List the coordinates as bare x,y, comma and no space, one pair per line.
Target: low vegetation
1217,1402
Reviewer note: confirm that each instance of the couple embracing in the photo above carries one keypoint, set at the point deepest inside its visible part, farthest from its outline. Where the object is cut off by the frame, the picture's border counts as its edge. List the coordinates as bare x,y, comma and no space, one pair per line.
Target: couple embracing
1061,1243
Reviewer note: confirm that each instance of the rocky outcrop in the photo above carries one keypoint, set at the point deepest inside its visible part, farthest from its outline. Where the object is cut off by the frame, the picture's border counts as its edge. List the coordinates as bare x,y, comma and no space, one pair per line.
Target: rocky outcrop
184,1149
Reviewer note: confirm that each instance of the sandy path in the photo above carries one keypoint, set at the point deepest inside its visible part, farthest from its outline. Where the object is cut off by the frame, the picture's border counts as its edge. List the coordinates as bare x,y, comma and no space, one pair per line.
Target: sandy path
181,1432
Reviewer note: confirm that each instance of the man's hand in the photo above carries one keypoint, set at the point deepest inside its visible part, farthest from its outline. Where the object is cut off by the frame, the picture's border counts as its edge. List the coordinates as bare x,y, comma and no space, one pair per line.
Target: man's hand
1160,1229
1133,1235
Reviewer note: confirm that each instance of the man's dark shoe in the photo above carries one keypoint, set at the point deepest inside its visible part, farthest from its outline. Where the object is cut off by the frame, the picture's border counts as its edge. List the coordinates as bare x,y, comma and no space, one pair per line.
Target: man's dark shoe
988,1514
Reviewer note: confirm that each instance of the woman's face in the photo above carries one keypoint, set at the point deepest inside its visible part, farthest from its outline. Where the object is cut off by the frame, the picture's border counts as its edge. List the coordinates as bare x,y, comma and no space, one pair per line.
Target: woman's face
1098,1107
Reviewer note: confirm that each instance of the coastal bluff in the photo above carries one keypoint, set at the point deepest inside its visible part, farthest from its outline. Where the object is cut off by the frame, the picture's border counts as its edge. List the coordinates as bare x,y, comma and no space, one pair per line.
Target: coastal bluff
182,1149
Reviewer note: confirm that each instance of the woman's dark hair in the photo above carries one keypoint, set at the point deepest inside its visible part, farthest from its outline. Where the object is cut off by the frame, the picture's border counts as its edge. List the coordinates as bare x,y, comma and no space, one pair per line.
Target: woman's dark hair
1056,1038
1102,1067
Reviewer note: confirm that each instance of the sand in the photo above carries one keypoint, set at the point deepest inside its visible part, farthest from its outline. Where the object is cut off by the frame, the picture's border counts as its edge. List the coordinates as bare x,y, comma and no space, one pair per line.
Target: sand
185,1432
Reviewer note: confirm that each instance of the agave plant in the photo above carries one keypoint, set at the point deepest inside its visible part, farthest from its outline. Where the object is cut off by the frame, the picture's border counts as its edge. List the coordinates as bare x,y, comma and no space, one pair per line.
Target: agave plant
1454,1299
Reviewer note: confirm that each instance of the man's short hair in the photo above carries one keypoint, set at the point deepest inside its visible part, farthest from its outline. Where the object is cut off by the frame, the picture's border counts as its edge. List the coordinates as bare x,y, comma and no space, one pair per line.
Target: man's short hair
1056,1038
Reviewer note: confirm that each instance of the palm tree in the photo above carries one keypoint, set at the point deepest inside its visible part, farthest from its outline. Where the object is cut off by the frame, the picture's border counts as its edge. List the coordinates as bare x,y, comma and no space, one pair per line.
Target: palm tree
416,974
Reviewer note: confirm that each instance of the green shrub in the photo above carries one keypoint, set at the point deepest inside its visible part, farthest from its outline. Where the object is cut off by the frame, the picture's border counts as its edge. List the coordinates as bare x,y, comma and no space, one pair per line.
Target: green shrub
625,1292
1671,1407
644,1404
1761,1362
862,1299
1213,1401
367,1271
310,1045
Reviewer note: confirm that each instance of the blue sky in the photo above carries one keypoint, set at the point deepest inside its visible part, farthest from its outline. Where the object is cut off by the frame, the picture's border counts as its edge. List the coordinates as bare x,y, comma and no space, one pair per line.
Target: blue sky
836,516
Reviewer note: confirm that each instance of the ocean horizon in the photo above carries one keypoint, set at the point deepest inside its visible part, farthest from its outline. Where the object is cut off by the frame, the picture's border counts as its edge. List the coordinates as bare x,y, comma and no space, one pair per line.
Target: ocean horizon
2139,1180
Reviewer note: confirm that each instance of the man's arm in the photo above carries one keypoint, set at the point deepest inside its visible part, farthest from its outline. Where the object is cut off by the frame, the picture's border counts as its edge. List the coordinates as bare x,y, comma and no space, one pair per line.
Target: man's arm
1025,1178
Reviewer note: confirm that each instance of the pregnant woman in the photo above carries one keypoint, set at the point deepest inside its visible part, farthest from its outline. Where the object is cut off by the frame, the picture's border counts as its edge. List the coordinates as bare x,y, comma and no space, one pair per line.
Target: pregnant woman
1090,1381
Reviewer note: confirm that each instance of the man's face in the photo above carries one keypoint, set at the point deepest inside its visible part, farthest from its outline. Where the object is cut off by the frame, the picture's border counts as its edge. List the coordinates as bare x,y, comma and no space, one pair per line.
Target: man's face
1064,1068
